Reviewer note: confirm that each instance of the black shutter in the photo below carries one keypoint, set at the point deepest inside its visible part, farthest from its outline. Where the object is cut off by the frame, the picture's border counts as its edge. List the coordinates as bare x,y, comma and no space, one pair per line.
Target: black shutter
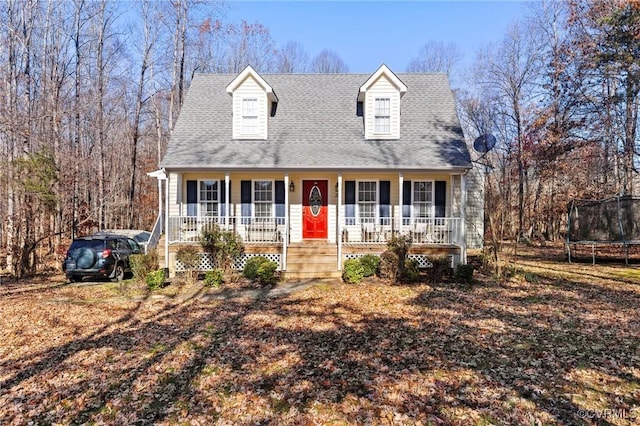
245,200
350,202
192,197
406,202
440,198
280,207
385,202
223,199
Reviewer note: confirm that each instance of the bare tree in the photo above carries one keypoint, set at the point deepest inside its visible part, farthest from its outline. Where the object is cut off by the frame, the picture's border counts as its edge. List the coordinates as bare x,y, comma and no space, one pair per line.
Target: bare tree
511,74
328,62
292,58
435,56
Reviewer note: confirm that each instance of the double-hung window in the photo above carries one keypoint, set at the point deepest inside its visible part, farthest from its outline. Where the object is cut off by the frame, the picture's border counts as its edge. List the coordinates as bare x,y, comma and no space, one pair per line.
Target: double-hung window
263,198
382,115
249,116
367,197
209,198
422,199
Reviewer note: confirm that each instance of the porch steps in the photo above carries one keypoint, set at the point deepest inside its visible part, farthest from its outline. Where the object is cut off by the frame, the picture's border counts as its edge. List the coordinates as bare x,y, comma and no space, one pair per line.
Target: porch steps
312,259
160,250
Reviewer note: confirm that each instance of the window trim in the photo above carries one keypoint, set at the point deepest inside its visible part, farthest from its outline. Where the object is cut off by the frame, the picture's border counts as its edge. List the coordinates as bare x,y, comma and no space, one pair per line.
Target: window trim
376,202
245,116
254,202
219,202
380,114
413,201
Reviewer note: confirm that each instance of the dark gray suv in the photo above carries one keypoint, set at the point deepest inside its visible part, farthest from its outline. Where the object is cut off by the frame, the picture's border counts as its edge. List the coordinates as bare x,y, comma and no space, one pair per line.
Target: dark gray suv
100,256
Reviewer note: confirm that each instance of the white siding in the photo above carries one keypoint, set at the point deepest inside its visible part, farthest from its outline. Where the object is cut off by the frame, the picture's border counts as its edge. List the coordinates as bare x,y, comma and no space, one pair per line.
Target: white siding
249,88
175,181
382,88
475,208
295,221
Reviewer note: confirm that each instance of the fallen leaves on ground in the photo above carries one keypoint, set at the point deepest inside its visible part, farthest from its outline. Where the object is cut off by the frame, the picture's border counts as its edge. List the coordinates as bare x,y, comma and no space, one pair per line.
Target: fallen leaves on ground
562,348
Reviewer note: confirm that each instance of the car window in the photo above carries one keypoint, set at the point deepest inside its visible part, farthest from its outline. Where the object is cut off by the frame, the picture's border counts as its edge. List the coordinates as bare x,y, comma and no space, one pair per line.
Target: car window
90,244
142,237
133,245
112,244
122,245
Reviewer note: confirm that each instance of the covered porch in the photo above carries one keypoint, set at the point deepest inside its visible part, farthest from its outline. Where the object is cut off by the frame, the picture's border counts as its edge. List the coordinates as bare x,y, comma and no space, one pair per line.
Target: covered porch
349,214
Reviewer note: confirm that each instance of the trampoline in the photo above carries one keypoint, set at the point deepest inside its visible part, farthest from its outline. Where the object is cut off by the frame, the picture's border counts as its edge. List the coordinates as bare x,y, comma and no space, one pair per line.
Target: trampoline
612,221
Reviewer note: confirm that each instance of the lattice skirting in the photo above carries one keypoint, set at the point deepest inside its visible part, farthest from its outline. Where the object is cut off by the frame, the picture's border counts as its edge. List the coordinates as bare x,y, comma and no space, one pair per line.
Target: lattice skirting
422,259
241,261
206,262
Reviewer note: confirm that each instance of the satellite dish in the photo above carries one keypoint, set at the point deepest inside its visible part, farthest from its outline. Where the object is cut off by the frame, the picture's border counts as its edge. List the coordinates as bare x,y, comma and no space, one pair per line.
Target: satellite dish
484,143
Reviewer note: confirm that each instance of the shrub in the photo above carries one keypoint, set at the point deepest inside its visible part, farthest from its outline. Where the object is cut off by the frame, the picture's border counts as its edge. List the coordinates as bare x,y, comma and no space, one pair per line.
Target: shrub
267,273
209,236
224,246
189,256
141,265
441,266
353,271
262,269
411,271
214,278
155,279
370,263
464,273
388,268
251,267
400,245
229,248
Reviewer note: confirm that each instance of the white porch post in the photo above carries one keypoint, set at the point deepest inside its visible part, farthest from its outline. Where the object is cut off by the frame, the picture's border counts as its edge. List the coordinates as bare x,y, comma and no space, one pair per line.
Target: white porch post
463,219
160,203
339,220
227,197
166,224
285,238
400,201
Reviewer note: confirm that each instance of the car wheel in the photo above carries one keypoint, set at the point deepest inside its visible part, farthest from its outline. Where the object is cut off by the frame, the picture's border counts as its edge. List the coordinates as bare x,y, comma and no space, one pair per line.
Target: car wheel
118,273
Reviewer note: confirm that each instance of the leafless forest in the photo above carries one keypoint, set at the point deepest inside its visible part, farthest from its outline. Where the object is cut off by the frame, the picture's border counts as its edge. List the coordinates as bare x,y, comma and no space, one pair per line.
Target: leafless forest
91,89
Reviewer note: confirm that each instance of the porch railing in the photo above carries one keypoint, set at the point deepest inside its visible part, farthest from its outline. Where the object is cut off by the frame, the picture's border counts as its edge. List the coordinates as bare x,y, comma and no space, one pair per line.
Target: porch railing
253,230
436,230
271,230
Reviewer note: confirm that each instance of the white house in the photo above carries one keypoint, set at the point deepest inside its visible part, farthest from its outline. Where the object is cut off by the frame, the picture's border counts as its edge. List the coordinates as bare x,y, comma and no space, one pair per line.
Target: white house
312,169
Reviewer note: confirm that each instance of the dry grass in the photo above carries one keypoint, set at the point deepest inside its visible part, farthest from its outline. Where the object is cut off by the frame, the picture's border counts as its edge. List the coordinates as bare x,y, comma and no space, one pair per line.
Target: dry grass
554,344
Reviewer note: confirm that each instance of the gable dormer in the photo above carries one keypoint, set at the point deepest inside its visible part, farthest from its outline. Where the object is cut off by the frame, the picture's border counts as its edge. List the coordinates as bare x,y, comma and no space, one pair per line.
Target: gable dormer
253,101
380,97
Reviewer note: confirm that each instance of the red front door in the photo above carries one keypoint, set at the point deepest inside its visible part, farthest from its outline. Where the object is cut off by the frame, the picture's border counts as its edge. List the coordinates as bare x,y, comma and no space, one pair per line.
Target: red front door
314,209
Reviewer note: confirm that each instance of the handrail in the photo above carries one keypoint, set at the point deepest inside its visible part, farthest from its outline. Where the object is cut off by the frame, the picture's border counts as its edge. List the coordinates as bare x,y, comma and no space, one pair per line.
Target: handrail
156,232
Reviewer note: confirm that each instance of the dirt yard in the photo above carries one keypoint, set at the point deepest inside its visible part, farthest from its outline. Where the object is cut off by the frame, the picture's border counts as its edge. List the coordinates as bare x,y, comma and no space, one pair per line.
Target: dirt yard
552,344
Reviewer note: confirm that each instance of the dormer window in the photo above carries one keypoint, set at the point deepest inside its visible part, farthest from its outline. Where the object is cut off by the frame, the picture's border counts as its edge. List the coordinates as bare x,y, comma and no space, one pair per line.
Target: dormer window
383,116
254,101
379,104
249,116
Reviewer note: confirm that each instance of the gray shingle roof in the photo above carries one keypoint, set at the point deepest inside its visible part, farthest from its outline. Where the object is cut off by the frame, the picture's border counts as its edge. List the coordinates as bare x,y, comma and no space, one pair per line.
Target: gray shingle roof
316,127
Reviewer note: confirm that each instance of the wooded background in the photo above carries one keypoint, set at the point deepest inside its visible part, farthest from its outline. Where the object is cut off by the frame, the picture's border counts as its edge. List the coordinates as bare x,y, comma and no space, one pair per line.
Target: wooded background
91,90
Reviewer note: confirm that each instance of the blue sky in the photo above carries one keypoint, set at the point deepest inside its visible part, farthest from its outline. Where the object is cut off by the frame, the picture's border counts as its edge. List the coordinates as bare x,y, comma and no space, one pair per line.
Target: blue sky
368,33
